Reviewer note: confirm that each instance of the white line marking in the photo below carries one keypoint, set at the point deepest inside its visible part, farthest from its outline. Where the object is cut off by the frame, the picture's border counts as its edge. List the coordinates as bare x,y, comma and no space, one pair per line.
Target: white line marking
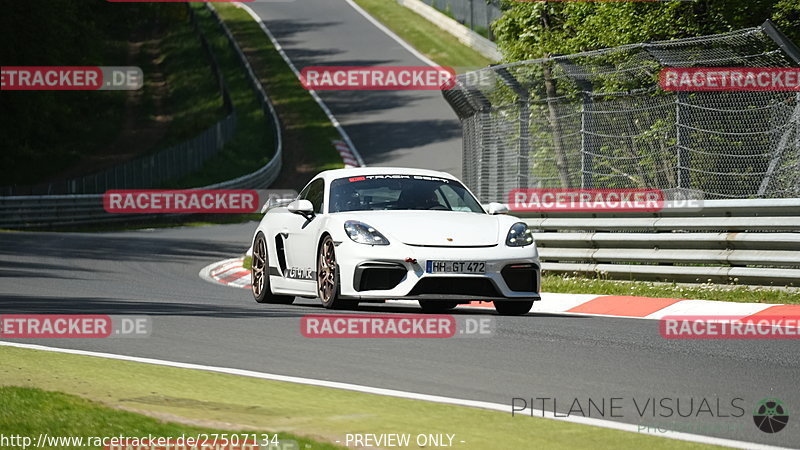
313,93
392,35
709,308
398,394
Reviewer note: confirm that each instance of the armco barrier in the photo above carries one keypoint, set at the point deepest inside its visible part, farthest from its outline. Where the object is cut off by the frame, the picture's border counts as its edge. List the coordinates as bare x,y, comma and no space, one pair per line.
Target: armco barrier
460,28
728,241
19,212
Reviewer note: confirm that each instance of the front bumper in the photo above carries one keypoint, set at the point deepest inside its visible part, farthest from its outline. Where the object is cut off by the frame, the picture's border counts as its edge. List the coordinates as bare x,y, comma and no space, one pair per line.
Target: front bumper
397,271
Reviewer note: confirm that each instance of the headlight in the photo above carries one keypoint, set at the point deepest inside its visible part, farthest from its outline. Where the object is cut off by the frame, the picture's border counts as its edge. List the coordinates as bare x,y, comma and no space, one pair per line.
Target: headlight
364,234
519,235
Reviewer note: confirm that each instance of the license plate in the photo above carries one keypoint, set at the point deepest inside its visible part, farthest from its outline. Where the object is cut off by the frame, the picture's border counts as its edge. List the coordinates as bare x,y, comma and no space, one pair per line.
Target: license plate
456,267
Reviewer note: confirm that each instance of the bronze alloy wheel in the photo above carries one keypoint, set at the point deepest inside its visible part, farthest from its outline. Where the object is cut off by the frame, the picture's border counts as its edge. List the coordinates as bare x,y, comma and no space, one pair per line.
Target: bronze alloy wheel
260,275
328,277
259,266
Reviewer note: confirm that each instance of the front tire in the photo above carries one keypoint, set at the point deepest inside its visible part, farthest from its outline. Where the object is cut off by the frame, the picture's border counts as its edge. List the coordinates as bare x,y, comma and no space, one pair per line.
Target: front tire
513,308
328,277
259,272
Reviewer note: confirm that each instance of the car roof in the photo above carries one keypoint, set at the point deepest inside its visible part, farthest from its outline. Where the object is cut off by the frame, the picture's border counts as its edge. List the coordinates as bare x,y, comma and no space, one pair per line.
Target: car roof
356,171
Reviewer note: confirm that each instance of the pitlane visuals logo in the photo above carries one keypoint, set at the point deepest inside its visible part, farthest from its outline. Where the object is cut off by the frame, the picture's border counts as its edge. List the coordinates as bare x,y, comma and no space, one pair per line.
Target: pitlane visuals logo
771,415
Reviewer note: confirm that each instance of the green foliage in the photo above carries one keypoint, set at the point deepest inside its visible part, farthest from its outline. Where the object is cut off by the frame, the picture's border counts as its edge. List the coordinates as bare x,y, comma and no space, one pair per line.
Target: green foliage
45,131
530,30
731,292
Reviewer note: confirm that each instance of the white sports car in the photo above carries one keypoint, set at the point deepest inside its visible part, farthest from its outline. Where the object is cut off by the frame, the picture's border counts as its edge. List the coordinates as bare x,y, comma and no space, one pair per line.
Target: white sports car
373,234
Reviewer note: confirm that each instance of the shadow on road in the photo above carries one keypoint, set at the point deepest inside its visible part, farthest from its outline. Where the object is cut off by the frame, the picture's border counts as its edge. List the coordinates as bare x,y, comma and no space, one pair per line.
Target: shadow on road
19,304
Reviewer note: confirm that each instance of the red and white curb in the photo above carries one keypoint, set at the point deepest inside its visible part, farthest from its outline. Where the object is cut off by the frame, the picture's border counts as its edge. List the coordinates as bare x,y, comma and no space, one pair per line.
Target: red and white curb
231,273
348,158
228,272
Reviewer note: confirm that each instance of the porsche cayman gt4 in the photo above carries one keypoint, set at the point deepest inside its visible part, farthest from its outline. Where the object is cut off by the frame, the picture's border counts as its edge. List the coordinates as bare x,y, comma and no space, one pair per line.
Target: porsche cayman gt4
376,234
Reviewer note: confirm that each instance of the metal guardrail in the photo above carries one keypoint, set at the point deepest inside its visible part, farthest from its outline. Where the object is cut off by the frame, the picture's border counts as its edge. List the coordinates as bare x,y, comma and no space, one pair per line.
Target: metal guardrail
266,175
742,241
19,212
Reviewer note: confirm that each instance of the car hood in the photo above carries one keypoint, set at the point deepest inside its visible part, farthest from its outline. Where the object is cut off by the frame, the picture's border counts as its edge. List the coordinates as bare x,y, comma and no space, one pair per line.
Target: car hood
433,228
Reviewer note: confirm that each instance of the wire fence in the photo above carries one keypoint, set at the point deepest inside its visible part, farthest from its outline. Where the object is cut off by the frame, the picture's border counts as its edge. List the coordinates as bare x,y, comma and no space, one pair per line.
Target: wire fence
478,15
600,120
151,171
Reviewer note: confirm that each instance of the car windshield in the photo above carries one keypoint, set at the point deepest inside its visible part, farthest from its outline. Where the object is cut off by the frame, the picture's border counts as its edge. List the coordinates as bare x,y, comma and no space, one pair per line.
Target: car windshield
400,192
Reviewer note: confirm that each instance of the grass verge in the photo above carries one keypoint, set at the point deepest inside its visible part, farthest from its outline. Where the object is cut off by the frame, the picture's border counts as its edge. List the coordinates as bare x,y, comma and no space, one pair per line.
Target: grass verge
254,142
307,132
430,40
194,101
707,291
30,412
317,413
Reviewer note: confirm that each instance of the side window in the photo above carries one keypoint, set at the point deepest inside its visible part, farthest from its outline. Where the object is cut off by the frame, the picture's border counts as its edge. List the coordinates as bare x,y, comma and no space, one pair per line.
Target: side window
315,193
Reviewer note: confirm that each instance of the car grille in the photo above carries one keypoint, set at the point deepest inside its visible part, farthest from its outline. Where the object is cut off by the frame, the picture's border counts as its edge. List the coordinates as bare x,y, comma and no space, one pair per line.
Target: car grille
520,277
468,286
379,277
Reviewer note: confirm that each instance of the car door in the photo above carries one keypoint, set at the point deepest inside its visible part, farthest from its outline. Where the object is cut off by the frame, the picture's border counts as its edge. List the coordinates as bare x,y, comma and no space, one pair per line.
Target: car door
300,237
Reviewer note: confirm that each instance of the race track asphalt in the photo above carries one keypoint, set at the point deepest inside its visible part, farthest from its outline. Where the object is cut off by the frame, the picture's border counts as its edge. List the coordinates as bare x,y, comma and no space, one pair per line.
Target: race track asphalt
398,128
154,273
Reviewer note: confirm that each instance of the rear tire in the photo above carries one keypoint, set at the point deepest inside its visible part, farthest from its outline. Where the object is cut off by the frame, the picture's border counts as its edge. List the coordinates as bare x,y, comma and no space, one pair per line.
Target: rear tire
513,308
259,272
328,277
433,306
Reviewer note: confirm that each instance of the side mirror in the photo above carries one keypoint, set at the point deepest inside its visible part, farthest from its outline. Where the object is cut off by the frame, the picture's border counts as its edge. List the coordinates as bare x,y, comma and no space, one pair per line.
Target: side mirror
497,208
302,207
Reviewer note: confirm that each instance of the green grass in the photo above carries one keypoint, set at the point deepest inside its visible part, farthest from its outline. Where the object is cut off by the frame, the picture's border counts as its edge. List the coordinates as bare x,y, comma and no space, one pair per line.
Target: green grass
247,262
322,414
195,100
430,40
31,412
254,142
307,131
573,284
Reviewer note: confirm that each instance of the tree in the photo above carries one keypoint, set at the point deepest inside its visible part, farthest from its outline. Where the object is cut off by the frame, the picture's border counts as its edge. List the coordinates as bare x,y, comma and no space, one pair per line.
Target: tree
535,29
